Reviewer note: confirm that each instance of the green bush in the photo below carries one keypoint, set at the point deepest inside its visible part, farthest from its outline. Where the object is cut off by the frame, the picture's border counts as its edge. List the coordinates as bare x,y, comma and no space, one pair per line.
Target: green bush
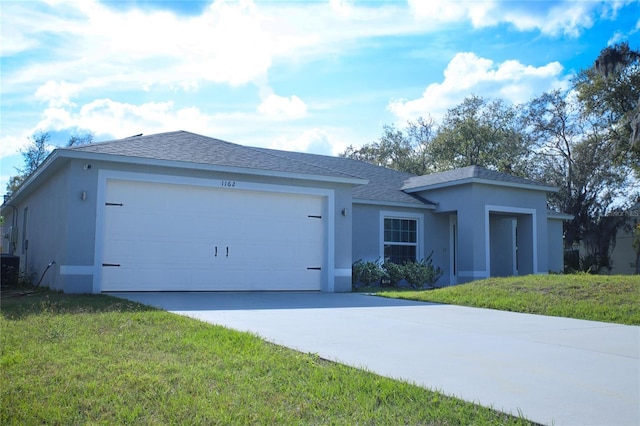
366,272
394,272
419,274
422,274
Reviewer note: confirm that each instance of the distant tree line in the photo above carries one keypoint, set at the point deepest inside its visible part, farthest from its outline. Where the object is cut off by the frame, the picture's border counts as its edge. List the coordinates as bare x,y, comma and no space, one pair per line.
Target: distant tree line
585,140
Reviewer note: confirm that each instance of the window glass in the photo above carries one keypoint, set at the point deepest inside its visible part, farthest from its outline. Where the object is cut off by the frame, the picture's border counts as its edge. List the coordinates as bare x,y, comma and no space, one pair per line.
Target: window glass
400,239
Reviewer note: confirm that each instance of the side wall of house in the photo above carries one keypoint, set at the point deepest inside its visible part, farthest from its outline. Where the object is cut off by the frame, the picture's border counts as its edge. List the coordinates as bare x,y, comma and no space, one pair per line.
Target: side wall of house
556,245
41,219
623,255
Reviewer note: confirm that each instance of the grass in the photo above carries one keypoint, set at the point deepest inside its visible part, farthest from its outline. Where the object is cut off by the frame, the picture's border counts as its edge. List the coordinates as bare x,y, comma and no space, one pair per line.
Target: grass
592,297
94,359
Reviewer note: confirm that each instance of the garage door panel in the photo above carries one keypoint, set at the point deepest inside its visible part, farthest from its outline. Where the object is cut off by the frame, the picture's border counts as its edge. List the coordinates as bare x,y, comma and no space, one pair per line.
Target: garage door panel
165,238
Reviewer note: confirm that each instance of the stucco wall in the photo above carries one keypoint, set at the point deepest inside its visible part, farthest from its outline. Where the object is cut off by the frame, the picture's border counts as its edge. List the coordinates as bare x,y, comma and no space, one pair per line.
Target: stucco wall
46,229
475,203
556,245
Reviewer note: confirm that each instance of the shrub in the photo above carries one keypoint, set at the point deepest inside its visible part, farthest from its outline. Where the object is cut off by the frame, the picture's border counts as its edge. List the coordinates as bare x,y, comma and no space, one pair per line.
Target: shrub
394,271
420,274
366,272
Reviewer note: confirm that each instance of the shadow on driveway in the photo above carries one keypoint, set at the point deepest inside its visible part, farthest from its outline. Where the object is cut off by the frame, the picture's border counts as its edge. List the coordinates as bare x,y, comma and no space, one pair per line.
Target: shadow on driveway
229,301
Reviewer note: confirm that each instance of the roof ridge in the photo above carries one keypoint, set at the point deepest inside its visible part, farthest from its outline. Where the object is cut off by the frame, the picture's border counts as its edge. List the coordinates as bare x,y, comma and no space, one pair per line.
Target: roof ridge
275,153
138,136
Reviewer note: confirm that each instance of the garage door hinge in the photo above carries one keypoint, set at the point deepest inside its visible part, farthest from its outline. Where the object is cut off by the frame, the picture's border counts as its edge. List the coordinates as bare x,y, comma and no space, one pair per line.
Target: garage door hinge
314,216
113,204
314,268
111,264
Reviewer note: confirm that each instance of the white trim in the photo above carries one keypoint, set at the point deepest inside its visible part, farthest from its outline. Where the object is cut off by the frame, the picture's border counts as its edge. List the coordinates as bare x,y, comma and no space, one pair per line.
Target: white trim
77,269
343,272
519,185
426,205
403,215
330,277
515,210
559,216
106,175
514,246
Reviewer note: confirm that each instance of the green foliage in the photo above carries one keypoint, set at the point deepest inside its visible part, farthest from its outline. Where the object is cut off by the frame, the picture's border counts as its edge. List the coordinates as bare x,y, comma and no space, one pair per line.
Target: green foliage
394,271
610,94
575,155
481,133
422,274
366,273
406,150
608,298
419,274
93,359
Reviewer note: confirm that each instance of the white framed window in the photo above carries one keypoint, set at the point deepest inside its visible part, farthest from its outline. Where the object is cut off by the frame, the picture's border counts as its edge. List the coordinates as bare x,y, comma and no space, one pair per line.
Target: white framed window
400,236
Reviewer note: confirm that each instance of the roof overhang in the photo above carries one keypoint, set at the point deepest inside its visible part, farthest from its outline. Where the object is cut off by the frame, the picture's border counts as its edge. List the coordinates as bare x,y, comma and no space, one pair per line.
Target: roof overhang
533,187
59,157
559,216
425,206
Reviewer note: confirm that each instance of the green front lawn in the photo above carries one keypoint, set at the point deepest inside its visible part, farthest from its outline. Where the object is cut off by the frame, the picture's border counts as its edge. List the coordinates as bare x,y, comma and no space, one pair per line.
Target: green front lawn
78,359
613,298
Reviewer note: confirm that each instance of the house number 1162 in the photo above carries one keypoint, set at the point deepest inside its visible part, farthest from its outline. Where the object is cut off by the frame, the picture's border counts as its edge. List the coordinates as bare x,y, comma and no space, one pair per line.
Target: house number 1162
228,183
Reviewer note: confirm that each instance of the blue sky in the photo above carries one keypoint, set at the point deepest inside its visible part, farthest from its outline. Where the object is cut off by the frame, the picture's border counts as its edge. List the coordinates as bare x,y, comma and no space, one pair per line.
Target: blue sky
312,76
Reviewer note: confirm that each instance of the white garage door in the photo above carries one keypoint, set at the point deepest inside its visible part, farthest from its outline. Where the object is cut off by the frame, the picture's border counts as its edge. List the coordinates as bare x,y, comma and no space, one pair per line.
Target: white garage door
188,238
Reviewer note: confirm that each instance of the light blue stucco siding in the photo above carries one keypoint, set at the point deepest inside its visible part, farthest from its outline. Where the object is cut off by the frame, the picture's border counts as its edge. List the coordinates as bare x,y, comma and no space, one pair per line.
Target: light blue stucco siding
484,211
42,223
343,214
556,245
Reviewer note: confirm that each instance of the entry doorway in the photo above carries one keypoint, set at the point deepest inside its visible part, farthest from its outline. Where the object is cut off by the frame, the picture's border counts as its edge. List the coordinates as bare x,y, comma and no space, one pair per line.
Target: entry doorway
511,243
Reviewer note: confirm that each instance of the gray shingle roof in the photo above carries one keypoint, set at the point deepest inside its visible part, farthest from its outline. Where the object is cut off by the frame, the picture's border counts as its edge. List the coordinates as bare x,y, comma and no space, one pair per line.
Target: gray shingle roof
192,148
468,174
384,184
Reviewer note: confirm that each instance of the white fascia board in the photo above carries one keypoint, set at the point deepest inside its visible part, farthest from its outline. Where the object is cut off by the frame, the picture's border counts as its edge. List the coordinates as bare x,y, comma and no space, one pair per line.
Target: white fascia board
560,216
393,204
209,167
544,188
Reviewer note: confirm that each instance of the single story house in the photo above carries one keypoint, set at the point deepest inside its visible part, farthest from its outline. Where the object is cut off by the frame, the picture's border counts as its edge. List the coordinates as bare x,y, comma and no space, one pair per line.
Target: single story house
183,212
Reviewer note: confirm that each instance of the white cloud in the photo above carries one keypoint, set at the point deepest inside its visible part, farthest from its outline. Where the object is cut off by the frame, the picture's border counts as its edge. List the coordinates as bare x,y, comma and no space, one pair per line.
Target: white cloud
11,145
230,42
282,108
438,11
568,17
116,119
57,93
468,74
225,44
316,140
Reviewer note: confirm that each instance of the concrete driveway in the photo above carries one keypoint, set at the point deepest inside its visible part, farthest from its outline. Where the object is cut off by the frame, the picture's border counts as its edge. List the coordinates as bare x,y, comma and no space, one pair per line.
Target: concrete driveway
552,370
